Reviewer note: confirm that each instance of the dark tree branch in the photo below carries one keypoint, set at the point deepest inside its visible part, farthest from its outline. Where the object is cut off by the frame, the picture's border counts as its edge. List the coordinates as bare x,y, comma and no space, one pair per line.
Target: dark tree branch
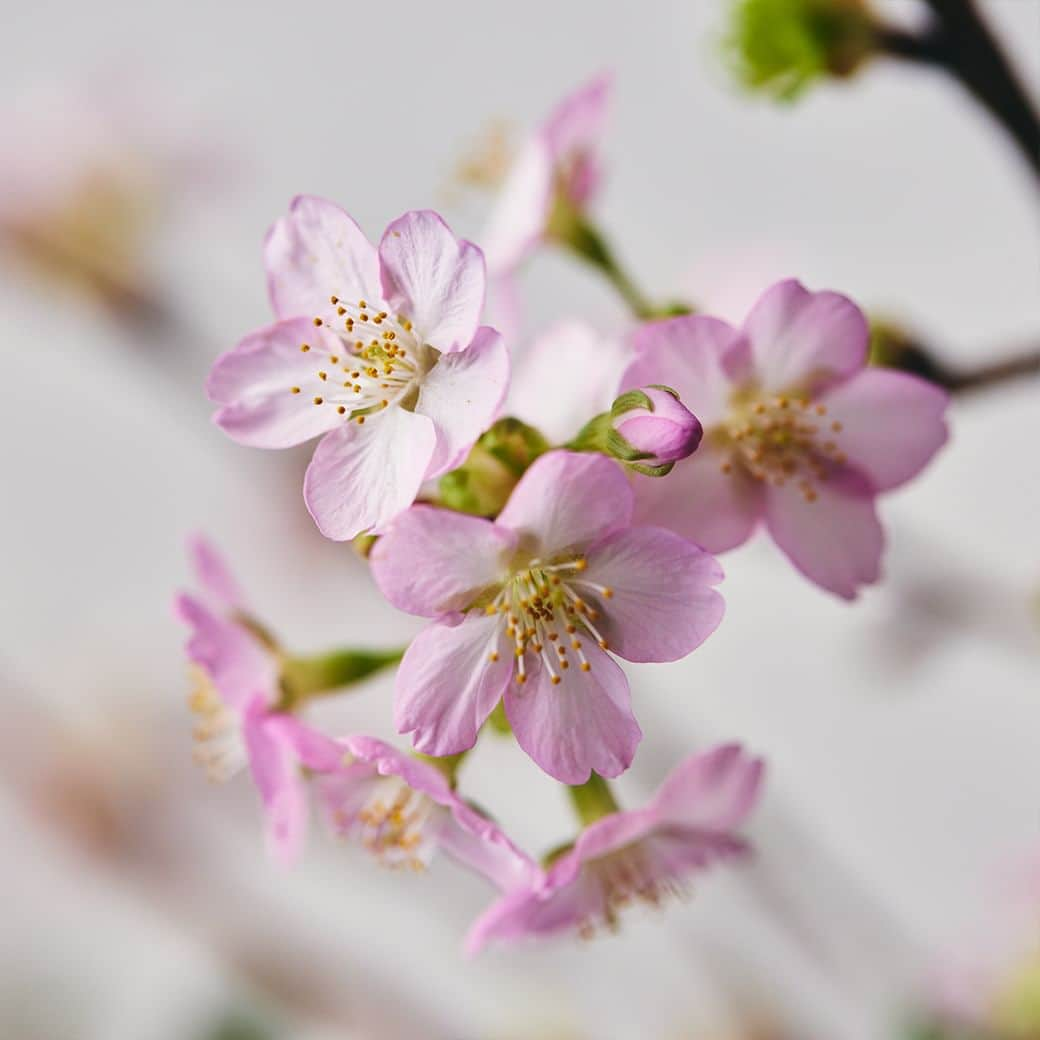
960,42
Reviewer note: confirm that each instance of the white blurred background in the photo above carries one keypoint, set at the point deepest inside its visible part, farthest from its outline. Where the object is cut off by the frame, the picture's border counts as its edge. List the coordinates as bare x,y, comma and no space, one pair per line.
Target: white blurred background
902,732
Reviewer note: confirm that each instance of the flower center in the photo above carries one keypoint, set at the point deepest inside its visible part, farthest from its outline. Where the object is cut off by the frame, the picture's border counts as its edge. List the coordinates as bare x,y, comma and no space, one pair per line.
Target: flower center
380,363
219,747
779,438
624,877
392,824
547,608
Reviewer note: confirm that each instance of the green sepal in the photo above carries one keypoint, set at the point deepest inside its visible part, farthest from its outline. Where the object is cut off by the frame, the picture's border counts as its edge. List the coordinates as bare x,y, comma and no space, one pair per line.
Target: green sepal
303,678
629,401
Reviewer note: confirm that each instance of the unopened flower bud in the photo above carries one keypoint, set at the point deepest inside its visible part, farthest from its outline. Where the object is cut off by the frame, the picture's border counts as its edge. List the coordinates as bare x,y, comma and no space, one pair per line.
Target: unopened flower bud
654,427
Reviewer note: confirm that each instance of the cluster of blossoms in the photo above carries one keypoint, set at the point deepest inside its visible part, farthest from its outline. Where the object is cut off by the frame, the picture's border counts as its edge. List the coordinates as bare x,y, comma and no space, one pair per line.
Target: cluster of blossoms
537,559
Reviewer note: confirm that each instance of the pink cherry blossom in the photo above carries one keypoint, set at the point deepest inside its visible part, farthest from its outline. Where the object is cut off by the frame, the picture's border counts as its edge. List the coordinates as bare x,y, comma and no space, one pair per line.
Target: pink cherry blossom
526,608
403,811
647,854
799,432
378,351
559,164
666,431
236,691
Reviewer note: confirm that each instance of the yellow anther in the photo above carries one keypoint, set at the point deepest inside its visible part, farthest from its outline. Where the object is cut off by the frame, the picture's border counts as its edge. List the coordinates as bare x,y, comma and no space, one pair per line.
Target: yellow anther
295,389
305,347
319,400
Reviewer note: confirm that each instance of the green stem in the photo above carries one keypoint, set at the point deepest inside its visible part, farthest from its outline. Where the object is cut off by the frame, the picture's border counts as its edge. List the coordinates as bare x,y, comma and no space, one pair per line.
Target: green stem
587,242
593,799
304,678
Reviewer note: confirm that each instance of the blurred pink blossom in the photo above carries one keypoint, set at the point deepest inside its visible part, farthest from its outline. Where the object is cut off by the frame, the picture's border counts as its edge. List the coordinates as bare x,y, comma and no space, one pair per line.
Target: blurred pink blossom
646,854
799,432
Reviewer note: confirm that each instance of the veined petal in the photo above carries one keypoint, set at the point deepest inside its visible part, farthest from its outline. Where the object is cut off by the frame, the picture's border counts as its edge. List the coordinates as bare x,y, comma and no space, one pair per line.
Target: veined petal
254,384
698,500
479,844
435,279
462,395
434,561
892,424
567,500
315,252
687,354
805,340
276,774
662,605
213,574
237,665
835,541
713,791
450,679
584,722
361,477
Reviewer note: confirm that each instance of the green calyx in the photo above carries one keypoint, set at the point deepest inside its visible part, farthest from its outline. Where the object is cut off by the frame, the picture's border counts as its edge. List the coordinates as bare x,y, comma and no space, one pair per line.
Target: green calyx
304,678
599,433
483,483
781,47
592,800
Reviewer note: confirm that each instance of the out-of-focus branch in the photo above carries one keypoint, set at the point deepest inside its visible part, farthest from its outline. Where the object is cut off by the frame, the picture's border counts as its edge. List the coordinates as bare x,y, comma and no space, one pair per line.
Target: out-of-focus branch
895,349
960,43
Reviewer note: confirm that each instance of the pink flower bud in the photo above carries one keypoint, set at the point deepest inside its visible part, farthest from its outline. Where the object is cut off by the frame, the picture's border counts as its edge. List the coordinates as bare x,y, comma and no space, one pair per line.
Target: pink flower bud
664,432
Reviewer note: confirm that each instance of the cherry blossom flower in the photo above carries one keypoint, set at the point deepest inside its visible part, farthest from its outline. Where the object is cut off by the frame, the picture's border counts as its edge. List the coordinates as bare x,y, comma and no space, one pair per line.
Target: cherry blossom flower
557,169
236,691
403,810
527,606
645,854
378,351
799,432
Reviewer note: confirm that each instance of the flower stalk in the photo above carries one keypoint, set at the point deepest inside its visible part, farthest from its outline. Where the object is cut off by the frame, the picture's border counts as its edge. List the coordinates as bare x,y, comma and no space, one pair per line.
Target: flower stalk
592,800
305,678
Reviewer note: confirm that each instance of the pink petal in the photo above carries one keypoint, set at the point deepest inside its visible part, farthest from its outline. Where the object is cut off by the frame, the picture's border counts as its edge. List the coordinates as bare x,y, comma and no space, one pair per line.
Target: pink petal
462,394
318,251
310,747
584,723
361,477
835,541
433,561
254,385
518,220
566,376
716,510
578,122
892,424
533,912
479,844
689,355
278,780
433,278
213,574
447,684
663,605
566,500
801,340
713,791
236,663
